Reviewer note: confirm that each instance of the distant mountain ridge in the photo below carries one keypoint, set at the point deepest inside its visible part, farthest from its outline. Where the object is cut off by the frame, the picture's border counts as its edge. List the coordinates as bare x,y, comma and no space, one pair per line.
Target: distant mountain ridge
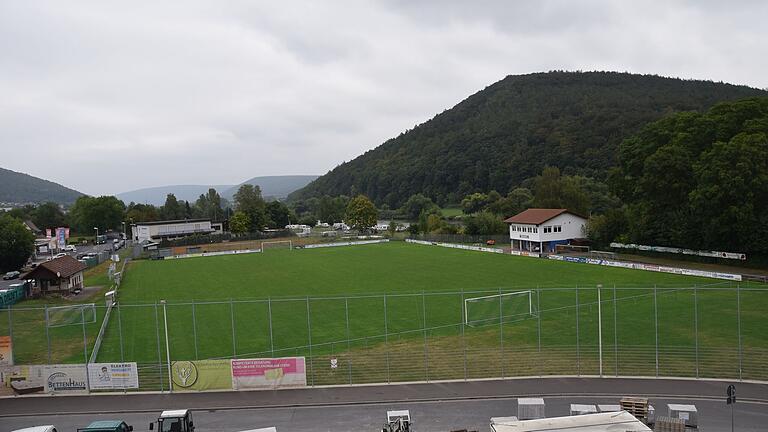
509,131
274,186
271,186
20,188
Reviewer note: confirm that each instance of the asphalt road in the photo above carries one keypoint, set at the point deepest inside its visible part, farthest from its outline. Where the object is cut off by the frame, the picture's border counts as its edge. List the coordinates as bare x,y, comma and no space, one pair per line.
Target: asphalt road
434,407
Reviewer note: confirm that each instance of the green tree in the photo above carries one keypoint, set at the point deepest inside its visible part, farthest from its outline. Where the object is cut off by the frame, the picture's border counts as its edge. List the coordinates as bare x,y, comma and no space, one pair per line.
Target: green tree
516,201
485,223
48,215
474,203
172,209
555,191
361,213
417,204
104,212
278,214
209,205
239,223
142,213
332,209
16,243
249,201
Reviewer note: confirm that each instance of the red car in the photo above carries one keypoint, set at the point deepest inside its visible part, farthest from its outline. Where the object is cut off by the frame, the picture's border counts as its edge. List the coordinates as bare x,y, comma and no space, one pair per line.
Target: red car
490,242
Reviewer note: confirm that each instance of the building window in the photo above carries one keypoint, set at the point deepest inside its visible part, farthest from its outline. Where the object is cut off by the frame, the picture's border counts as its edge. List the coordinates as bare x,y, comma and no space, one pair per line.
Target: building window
535,230
558,228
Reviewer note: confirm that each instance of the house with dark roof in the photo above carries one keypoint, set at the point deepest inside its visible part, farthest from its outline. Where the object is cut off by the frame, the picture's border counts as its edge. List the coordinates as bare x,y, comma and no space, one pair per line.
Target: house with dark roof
541,230
59,275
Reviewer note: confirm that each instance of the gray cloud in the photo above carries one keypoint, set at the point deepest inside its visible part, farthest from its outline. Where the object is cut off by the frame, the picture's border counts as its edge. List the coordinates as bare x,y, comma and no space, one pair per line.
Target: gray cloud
107,97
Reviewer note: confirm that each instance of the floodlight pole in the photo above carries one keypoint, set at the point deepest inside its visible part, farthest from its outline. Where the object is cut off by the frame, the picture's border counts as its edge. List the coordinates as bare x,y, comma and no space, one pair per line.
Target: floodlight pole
600,328
167,347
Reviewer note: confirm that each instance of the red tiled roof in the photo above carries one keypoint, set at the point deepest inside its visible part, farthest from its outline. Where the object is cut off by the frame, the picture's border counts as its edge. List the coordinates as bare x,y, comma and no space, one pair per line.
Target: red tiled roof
65,266
536,216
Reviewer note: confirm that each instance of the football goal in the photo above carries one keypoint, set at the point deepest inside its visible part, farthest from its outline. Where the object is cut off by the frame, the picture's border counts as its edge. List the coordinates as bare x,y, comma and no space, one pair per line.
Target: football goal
59,316
566,249
277,244
493,309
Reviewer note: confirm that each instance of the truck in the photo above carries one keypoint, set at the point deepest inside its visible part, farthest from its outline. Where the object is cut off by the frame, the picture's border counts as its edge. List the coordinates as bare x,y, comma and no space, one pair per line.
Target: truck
107,426
179,420
101,239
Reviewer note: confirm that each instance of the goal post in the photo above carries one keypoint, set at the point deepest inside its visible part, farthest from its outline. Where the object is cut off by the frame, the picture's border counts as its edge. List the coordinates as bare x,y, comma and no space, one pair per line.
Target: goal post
492,309
60,316
276,244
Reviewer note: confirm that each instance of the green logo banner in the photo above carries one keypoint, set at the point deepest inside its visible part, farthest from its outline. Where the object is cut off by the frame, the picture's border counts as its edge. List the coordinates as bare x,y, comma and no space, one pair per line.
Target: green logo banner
201,375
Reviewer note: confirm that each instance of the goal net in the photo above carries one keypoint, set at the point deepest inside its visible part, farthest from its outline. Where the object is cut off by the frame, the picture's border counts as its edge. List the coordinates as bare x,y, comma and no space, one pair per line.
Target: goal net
493,309
59,316
571,249
277,244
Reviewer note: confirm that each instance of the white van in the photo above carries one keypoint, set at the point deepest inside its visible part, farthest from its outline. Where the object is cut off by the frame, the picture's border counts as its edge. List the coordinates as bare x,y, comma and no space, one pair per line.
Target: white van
49,428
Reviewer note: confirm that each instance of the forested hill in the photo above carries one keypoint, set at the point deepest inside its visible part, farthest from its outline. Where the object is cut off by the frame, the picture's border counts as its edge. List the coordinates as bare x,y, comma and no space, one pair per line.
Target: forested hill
510,130
23,188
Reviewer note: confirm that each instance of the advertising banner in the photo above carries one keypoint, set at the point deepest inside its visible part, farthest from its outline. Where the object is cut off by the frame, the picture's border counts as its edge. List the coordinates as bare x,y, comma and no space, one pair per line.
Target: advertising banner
47,233
65,379
6,351
109,376
269,373
201,375
61,238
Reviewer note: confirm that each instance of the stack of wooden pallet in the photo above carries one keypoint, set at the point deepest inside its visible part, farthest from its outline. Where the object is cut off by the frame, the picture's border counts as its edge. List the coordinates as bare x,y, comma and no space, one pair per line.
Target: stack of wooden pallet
636,406
669,424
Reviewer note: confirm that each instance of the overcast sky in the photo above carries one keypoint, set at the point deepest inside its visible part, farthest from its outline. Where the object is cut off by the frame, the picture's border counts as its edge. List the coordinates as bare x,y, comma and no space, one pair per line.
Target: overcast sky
107,97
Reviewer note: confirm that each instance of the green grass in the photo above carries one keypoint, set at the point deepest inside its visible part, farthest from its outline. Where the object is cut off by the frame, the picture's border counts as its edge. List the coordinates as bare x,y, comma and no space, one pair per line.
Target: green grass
422,279
451,211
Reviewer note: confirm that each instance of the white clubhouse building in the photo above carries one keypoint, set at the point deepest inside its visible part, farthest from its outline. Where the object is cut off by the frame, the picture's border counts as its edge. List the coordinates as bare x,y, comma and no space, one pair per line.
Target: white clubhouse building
540,230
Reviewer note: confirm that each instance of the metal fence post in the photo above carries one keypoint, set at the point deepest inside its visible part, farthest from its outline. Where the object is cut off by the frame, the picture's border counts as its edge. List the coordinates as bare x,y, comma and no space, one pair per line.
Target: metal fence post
85,348
47,334
159,356
194,328
269,313
386,336
738,323
85,337
578,352
424,328
309,337
696,325
501,333
10,328
234,334
463,338
349,349
656,327
120,332
615,332
538,328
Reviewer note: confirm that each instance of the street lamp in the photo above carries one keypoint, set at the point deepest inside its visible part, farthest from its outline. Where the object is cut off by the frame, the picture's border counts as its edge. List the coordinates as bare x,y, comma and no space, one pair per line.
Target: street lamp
125,236
96,240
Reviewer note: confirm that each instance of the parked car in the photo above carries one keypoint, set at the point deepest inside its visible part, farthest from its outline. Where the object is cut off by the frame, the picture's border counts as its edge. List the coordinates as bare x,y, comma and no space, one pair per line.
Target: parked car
11,275
491,242
70,248
107,426
59,255
49,428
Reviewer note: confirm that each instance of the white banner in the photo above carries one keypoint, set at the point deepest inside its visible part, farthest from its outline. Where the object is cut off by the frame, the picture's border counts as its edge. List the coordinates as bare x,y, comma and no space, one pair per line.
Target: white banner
61,378
649,267
456,246
268,373
111,376
664,249
349,243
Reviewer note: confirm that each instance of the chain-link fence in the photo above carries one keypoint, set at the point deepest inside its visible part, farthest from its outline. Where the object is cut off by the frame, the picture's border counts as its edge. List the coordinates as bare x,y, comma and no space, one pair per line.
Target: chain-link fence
713,332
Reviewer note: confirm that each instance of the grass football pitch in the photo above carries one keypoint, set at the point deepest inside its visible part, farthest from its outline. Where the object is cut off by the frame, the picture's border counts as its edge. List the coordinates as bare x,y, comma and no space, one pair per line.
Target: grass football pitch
404,302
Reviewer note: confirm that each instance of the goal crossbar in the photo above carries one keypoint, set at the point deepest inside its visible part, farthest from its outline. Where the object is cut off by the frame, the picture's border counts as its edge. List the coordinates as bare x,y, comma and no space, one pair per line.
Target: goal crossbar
501,297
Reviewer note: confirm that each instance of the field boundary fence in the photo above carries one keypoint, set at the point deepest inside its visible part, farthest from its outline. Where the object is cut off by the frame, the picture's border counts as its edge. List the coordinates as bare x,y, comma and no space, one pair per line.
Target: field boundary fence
711,331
